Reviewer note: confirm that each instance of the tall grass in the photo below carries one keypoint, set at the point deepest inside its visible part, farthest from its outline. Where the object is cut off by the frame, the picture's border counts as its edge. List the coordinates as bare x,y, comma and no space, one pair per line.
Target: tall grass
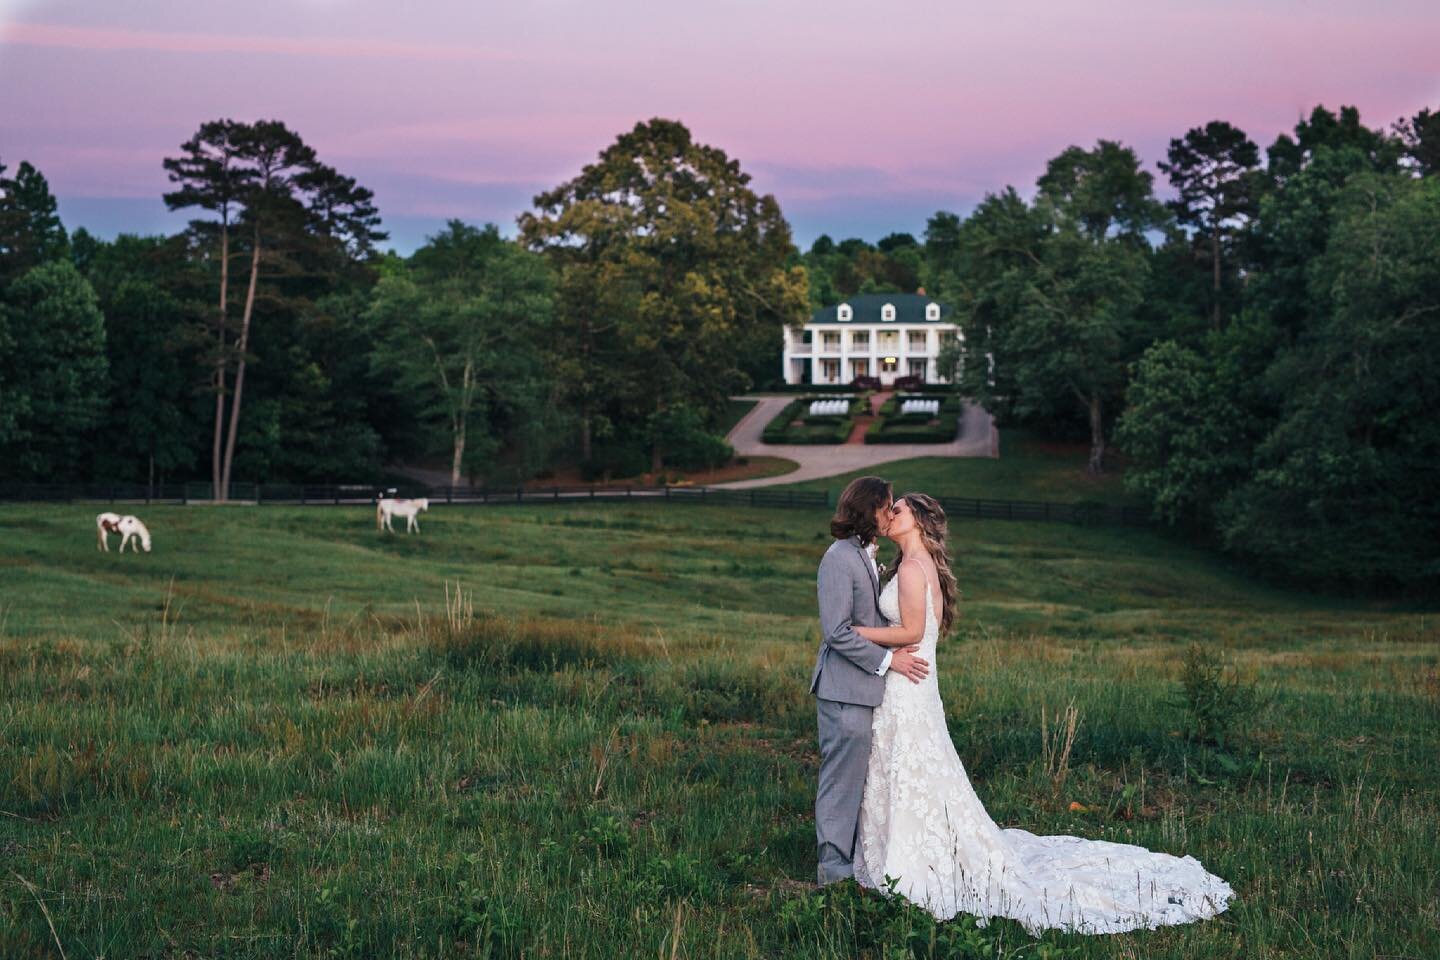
583,731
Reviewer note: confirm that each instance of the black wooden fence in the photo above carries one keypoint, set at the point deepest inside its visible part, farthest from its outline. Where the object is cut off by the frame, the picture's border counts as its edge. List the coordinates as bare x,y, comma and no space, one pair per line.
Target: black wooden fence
1084,512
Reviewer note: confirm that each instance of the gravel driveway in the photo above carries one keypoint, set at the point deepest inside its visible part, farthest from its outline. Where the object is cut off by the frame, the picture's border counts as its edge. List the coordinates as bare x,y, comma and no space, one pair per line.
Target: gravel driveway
978,438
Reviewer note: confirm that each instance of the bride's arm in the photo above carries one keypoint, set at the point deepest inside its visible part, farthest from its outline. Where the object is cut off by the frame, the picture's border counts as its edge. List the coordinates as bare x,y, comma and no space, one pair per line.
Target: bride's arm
912,611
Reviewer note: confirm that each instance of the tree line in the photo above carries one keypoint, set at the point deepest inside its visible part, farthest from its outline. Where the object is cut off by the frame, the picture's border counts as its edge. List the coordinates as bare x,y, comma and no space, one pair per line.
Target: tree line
1260,347
272,341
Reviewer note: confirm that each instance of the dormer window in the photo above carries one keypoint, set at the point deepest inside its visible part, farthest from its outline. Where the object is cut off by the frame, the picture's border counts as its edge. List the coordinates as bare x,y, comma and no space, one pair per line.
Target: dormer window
887,312
844,314
932,311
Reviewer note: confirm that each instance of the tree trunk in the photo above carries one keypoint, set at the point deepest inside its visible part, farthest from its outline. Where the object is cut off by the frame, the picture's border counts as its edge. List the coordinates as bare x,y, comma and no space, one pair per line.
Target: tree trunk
1215,285
1097,436
216,491
585,439
240,364
459,452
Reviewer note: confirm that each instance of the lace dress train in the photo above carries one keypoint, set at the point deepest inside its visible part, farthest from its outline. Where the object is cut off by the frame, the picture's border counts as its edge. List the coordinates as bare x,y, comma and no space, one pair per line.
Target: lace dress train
922,824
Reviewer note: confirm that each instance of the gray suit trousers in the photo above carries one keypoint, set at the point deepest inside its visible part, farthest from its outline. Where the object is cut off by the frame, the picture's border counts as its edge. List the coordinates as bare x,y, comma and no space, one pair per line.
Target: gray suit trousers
844,758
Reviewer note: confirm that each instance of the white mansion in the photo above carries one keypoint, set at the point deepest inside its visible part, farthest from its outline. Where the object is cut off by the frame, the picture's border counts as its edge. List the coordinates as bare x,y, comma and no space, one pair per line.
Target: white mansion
884,335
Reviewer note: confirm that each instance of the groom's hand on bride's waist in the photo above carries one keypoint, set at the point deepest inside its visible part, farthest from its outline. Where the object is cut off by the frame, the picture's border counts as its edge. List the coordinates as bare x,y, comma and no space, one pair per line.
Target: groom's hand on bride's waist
908,665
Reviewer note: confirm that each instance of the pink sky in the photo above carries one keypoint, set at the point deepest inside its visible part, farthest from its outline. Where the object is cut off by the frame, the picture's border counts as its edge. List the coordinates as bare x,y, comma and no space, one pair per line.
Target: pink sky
860,118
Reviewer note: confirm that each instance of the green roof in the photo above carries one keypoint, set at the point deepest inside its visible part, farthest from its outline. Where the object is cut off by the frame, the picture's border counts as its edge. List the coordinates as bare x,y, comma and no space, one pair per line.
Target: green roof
909,308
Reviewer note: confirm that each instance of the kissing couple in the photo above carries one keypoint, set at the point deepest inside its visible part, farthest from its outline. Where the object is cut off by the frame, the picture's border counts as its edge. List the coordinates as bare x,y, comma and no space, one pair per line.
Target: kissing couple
894,808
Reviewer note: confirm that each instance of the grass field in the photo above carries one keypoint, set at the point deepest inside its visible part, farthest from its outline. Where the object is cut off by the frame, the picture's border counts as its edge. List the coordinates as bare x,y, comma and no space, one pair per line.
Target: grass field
583,731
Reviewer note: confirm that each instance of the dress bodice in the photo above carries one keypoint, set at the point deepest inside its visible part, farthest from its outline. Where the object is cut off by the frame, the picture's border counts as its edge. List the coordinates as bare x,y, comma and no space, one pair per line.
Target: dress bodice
890,610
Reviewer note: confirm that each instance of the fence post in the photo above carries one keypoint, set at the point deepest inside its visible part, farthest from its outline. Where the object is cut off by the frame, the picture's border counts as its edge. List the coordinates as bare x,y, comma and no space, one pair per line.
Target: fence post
337,496
628,490
752,496
519,494
667,491
556,491
592,491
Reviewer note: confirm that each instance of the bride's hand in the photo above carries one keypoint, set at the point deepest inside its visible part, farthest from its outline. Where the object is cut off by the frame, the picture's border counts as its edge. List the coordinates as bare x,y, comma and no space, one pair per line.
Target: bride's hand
908,665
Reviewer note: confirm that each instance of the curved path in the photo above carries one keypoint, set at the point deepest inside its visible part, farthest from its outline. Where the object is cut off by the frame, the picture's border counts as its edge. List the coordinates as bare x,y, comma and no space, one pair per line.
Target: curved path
978,438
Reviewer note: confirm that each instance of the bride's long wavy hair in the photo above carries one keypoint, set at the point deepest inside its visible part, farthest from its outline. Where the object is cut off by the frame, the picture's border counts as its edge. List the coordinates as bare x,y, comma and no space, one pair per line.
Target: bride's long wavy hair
934,531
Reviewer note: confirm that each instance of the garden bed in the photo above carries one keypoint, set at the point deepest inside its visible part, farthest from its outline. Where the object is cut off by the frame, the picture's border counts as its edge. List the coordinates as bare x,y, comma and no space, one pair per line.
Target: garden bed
794,425
891,426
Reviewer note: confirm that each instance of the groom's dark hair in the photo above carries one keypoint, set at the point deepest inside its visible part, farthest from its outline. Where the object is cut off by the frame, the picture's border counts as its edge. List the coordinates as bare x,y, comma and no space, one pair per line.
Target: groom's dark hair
855,513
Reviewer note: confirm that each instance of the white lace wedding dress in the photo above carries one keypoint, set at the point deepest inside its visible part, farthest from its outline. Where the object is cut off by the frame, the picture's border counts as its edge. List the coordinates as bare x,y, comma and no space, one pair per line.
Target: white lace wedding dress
922,824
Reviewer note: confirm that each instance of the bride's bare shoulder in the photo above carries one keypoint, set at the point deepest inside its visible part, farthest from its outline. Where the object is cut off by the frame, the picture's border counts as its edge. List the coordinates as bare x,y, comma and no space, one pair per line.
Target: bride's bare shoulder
912,570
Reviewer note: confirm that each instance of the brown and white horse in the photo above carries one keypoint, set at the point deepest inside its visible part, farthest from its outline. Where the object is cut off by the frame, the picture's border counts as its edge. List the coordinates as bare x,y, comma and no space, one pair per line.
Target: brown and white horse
129,528
388,507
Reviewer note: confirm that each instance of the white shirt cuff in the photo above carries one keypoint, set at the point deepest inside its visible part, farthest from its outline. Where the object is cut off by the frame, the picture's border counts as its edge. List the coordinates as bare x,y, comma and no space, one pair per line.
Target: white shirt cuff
885,664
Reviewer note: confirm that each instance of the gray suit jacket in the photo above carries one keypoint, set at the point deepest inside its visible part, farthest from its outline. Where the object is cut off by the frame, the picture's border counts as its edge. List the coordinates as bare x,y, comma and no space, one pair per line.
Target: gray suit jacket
849,597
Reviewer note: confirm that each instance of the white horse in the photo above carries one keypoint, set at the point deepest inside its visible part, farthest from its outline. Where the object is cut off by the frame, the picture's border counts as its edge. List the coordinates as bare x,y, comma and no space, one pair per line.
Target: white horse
129,528
388,507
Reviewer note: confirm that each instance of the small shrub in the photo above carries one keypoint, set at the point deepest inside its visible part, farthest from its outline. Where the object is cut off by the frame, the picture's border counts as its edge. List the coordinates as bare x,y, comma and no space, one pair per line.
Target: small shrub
1215,700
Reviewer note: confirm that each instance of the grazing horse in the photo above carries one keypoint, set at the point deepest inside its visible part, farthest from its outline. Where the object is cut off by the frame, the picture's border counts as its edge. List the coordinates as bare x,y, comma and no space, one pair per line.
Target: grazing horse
388,507
129,527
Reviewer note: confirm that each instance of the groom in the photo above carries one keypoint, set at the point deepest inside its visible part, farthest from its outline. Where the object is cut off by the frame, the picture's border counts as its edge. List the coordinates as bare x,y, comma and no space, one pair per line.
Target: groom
849,678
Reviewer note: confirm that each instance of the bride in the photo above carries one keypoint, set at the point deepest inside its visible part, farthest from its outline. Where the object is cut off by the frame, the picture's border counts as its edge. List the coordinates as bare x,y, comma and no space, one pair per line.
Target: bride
922,825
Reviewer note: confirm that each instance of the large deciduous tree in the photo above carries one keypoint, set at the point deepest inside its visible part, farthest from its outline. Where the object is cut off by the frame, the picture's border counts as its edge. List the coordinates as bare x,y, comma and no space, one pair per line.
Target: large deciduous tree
1050,303
669,265
1213,170
463,325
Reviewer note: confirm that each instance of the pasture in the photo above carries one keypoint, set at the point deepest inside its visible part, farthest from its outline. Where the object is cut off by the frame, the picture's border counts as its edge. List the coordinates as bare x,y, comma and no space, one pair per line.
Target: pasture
583,730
